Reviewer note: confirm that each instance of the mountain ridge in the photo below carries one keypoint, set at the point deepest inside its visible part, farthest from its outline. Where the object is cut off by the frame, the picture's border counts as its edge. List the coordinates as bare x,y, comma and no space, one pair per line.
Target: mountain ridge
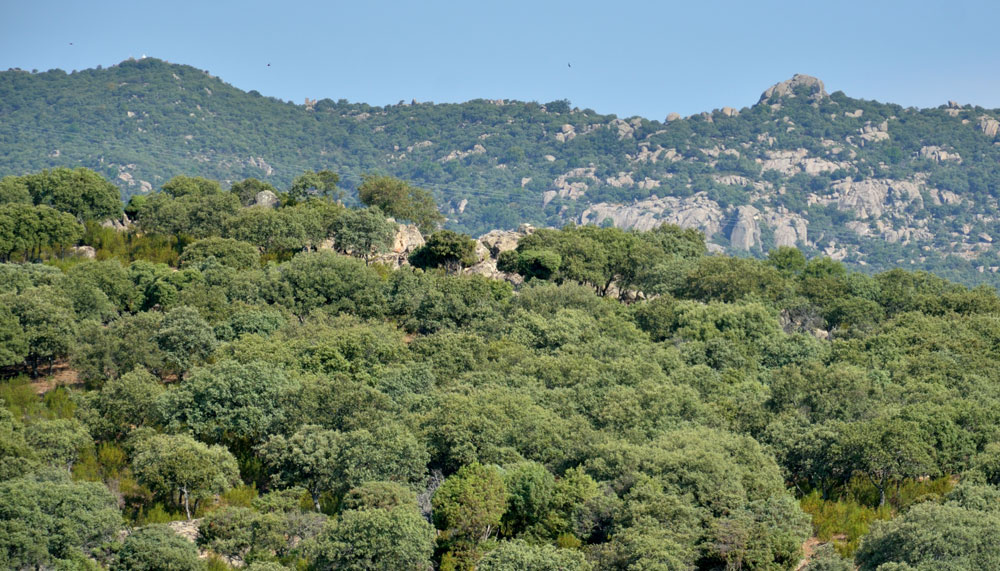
871,183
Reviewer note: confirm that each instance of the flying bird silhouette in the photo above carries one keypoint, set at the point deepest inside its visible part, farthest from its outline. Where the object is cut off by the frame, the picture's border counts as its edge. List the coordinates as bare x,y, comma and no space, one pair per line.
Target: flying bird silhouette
568,65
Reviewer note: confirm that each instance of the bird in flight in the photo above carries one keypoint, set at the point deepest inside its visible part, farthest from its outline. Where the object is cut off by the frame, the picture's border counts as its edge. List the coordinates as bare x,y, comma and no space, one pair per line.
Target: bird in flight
268,65
568,65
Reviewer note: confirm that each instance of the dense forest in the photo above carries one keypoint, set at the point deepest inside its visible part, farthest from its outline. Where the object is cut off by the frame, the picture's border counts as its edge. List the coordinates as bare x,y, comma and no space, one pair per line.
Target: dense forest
876,185
235,374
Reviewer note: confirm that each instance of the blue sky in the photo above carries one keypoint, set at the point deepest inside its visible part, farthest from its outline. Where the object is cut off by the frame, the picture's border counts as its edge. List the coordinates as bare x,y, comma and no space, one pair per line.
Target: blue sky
628,58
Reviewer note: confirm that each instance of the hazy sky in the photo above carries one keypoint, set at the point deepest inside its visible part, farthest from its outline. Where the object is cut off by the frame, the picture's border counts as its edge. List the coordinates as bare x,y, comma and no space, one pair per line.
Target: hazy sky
623,57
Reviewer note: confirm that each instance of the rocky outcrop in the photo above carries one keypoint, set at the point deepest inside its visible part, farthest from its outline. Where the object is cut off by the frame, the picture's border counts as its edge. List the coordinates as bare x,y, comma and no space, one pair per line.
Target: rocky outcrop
938,155
746,232
407,239
873,133
788,88
489,246
989,126
696,211
265,199
86,252
871,198
476,149
566,133
789,229
793,162
120,224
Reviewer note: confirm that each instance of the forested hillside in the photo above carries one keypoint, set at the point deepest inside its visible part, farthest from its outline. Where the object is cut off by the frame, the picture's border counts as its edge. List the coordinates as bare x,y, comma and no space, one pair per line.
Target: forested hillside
873,184
251,369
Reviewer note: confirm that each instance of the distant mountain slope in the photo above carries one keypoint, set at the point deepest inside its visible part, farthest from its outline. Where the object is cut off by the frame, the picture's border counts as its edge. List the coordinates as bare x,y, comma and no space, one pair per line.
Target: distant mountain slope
874,184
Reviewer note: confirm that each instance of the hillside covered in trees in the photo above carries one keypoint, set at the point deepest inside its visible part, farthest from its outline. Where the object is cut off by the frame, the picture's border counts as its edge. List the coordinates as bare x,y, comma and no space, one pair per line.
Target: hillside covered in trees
253,371
873,184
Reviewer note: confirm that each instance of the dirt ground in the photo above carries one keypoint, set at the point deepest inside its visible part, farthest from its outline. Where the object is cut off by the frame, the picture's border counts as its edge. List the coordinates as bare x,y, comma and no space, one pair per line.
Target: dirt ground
62,376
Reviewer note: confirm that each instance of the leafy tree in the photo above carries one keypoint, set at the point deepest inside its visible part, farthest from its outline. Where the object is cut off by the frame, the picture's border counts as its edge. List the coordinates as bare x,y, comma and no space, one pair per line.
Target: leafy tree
471,502
931,536
517,555
47,520
180,464
13,343
445,249
884,450
231,402
125,403
80,192
325,280
325,460
243,533
181,186
14,189
28,230
46,321
530,497
363,233
229,252
269,230
17,457
375,539
311,183
400,200
59,442
156,548
185,339
308,458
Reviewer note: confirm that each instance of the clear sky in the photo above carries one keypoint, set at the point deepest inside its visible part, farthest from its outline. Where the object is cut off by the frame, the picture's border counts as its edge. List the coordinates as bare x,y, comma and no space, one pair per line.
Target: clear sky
624,57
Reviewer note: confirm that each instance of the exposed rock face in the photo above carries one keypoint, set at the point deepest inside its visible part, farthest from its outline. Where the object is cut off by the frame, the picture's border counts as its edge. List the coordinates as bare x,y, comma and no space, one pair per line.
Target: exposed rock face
937,154
571,189
874,133
673,117
788,88
696,211
567,133
265,199
488,249
476,149
746,231
87,252
789,229
870,198
989,126
793,162
729,112
408,238
120,224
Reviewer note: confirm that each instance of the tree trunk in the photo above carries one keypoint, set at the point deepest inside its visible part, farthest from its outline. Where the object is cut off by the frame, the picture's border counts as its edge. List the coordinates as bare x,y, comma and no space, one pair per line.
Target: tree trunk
315,497
187,503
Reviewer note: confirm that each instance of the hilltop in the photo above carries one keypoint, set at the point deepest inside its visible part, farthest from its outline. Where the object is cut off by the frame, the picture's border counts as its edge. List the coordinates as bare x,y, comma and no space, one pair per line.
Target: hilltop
874,184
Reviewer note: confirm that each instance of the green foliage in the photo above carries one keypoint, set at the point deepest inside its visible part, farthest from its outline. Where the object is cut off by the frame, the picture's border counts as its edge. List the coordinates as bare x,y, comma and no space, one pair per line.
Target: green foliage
399,200
173,464
517,555
156,547
230,402
471,502
376,539
445,249
47,520
228,252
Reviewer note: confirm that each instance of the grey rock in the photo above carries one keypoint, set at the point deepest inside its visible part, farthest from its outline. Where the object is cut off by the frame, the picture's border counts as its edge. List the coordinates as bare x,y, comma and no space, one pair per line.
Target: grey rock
265,199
